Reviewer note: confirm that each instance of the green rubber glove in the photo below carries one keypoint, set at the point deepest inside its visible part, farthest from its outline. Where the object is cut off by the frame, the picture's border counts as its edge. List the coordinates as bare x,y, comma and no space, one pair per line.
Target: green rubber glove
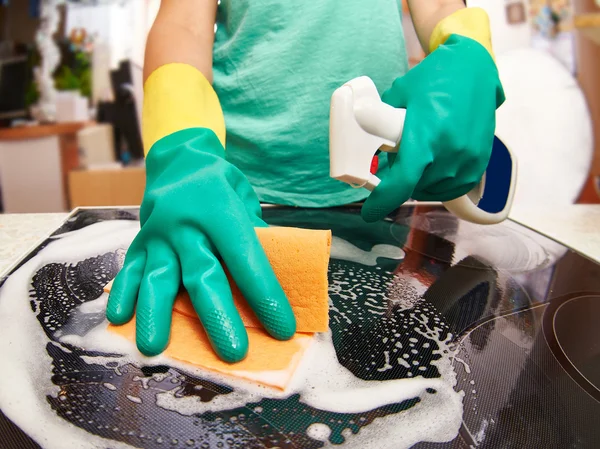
196,207
451,99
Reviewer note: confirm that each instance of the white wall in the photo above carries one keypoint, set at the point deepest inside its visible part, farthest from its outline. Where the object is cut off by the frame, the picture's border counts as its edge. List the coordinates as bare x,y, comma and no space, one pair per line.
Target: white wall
505,36
120,31
122,26
98,21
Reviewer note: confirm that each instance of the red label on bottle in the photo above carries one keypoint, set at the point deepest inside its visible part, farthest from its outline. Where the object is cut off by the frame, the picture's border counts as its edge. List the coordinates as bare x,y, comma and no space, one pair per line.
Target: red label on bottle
374,164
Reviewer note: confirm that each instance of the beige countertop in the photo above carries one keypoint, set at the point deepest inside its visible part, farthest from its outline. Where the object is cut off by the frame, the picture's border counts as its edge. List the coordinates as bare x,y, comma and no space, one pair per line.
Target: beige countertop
20,233
576,226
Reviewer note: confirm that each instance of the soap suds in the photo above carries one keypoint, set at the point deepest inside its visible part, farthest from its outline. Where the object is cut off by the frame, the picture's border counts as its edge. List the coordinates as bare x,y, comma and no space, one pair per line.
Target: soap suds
134,399
383,401
23,343
318,431
344,250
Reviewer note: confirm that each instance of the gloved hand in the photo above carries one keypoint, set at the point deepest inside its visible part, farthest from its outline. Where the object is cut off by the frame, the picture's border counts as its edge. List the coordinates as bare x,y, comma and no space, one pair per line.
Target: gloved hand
451,99
197,208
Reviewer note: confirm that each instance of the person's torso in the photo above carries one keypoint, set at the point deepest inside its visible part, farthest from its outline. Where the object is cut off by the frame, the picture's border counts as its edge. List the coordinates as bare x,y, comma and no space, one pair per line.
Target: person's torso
276,64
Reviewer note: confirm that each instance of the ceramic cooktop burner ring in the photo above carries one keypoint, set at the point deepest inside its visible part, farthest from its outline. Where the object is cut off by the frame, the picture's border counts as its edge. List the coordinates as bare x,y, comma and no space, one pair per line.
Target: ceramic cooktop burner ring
571,331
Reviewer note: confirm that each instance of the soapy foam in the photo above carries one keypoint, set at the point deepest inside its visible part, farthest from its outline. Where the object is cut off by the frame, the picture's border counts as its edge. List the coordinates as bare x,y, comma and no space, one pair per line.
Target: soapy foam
329,387
318,431
406,291
25,385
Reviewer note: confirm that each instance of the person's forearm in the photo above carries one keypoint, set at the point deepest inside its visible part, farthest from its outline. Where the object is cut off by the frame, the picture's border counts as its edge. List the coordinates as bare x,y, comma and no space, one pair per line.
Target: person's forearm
183,32
178,94
426,14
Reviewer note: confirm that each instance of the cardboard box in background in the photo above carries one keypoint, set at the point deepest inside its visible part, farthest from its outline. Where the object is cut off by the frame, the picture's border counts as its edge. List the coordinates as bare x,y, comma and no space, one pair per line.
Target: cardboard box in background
107,187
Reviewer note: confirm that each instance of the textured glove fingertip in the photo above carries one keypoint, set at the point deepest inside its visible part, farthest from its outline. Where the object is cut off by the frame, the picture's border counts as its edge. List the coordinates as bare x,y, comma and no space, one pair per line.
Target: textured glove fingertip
152,331
115,312
149,346
372,212
282,326
231,351
276,314
232,354
228,337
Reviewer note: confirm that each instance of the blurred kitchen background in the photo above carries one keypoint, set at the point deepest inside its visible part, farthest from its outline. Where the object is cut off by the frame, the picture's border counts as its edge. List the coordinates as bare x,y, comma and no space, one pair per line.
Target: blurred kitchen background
71,95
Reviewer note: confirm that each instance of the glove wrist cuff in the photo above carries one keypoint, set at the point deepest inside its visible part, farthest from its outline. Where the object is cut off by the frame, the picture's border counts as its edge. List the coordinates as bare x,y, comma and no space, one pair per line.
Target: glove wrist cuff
177,97
473,23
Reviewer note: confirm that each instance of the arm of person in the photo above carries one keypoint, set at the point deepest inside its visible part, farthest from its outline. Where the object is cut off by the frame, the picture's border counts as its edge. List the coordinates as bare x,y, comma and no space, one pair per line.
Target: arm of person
183,32
178,72
426,14
436,20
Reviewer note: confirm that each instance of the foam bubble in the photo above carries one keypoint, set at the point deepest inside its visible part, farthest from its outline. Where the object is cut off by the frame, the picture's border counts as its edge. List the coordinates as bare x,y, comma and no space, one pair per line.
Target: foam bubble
134,399
319,431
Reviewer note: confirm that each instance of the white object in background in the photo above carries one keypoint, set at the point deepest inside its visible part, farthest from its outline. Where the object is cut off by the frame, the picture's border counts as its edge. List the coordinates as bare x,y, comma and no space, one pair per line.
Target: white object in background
562,47
546,123
505,36
93,18
360,124
31,175
108,21
152,7
101,87
96,145
138,12
71,106
45,109
137,79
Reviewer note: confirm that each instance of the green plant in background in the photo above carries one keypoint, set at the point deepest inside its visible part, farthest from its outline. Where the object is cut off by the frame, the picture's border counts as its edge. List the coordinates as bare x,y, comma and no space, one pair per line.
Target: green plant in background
33,60
32,95
73,73
78,76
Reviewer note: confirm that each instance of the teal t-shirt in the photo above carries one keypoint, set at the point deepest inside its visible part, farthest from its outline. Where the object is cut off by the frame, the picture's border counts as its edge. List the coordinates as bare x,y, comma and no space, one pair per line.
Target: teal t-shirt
276,64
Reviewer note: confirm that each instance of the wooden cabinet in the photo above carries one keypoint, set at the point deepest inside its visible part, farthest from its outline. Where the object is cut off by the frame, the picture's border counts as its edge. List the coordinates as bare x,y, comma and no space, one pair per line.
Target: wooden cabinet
34,164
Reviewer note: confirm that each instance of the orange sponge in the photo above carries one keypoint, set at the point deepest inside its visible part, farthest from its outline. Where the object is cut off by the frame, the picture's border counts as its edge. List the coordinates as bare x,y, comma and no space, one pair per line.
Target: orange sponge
300,259
269,362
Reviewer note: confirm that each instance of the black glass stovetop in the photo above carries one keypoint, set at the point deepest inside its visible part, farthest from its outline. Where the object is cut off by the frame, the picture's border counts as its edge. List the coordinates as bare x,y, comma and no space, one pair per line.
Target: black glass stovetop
520,310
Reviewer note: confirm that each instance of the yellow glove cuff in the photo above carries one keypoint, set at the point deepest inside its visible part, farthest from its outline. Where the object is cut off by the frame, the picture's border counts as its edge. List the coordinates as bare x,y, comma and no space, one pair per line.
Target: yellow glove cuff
176,97
473,23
